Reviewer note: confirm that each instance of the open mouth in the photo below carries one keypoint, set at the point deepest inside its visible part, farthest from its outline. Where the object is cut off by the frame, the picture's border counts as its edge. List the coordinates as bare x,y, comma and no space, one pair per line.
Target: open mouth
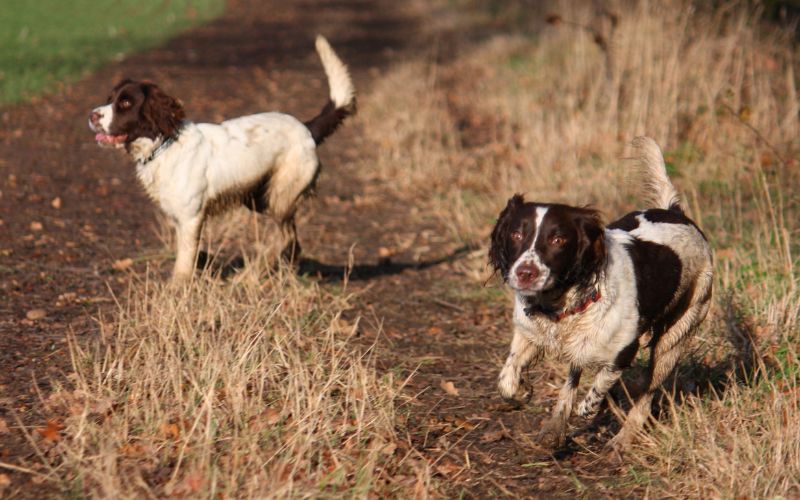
110,139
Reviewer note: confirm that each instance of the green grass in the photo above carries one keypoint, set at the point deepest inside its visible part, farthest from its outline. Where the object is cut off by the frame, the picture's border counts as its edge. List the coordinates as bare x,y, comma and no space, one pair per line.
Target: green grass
44,42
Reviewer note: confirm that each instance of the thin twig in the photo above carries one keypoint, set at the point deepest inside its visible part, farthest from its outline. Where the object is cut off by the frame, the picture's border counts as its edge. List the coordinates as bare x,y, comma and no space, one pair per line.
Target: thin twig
17,468
449,305
758,134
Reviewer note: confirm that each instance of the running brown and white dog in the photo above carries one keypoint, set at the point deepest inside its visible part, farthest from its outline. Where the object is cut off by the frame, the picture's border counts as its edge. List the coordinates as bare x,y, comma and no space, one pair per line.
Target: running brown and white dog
589,292
266,161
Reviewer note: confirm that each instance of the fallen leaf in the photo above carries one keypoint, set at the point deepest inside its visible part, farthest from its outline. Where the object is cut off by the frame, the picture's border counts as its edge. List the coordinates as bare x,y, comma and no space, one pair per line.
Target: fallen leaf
192,483
449,387
170,430
36,226
132,450
384,252
494,436
122,264
271,416
389,448
504,406
448,468
51,433
36,314
56,203
3,427
435,330
5,482
341,325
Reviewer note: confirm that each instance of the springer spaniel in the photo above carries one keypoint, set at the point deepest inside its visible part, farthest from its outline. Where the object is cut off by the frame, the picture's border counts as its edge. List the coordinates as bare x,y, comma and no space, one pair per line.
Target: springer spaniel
267,162
589,292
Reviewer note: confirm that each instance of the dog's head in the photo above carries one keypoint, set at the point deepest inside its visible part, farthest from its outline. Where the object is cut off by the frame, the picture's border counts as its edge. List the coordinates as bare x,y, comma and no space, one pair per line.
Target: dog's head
136,110
545,248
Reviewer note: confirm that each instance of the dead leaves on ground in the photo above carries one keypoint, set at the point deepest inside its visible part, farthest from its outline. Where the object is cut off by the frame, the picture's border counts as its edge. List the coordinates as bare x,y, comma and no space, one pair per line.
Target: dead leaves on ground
450,423
170,430
122,264
51,433
448,468
449,387
494,436
265,420
5,482
36,314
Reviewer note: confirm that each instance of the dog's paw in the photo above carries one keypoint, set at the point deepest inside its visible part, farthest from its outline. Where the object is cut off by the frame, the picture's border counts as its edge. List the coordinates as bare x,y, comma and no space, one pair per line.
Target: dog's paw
616,447
508,384
513,390
553,434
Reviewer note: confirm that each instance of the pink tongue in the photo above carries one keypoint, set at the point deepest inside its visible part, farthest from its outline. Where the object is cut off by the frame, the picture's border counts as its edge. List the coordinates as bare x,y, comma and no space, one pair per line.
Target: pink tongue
109,138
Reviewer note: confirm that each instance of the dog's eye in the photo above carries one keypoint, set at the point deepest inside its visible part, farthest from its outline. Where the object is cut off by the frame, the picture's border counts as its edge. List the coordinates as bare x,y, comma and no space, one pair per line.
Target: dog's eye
557,241
125,104
516,236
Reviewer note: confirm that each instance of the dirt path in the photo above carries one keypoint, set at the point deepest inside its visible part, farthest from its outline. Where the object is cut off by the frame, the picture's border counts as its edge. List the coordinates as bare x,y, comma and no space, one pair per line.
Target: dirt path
69,211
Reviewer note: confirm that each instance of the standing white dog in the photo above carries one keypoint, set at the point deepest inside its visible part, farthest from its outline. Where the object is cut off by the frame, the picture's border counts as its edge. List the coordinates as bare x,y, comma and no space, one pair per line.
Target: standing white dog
266,161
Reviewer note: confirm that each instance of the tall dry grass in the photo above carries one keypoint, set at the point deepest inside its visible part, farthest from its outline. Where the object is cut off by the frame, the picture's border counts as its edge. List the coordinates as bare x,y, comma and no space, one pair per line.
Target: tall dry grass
247,388
549,111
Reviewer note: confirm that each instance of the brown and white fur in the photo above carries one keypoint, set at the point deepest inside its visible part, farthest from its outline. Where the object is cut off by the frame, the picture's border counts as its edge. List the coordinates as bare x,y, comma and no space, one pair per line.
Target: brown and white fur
589,292
265,161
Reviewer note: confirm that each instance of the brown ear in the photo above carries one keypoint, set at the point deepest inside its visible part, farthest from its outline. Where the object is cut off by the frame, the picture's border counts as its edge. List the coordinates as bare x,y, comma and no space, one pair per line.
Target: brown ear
161,111
591,242
498,251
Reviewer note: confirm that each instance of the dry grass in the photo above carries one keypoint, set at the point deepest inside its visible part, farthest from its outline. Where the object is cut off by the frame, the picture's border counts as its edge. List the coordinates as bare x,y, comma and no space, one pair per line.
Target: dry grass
252,387
548,112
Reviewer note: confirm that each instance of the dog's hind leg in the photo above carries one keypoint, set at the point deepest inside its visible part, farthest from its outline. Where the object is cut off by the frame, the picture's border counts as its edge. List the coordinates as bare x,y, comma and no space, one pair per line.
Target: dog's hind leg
663,360
289,185
291,250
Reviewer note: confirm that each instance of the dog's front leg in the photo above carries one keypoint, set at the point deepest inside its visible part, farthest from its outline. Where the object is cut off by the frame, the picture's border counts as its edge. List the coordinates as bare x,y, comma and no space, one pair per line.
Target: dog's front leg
188,236
554,430
522,353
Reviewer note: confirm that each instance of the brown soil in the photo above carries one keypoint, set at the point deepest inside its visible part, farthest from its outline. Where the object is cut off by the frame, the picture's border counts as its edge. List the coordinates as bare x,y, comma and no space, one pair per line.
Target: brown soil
436,322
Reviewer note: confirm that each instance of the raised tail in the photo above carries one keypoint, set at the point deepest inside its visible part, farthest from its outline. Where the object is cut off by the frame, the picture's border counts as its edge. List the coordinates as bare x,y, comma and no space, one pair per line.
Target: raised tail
342,102
659,191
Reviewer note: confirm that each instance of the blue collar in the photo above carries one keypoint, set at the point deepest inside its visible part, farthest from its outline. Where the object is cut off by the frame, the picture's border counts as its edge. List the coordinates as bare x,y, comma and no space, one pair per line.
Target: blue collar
162,147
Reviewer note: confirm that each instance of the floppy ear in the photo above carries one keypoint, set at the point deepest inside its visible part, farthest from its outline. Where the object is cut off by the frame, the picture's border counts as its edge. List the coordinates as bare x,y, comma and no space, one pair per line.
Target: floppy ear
591,242
498,251
161,111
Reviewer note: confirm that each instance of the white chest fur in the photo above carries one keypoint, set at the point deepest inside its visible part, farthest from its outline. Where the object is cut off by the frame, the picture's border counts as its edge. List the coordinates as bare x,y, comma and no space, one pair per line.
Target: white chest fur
596,335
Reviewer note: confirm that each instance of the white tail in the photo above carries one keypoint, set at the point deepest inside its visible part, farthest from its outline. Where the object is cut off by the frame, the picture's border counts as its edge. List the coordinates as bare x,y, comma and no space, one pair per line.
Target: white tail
659,191
342,90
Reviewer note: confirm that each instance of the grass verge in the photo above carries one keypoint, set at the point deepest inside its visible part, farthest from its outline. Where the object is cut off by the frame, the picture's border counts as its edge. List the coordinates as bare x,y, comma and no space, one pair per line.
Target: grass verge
45,42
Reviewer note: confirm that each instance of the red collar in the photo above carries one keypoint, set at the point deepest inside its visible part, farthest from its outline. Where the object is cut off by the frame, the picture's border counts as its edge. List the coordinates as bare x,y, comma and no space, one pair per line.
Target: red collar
591,299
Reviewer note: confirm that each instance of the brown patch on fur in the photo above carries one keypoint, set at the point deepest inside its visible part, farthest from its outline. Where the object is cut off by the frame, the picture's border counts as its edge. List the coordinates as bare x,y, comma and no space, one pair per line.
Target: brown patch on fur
328,120
162,111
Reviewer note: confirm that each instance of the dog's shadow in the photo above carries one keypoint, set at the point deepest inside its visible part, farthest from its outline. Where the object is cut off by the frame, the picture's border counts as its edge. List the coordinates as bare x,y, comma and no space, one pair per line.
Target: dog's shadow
694,378
384,267
223,268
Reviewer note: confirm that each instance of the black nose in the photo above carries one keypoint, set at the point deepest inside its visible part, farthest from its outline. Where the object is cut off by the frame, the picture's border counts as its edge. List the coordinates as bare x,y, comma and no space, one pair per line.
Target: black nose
94,117
526,273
